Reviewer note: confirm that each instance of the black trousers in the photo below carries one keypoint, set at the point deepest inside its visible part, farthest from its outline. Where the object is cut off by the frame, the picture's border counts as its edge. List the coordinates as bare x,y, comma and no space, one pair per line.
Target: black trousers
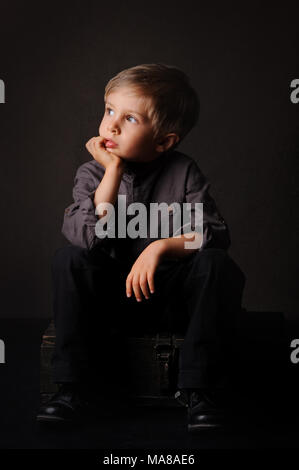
198,296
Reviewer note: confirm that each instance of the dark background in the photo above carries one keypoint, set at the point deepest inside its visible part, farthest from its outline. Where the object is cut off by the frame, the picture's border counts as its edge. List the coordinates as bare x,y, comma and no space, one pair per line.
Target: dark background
55,61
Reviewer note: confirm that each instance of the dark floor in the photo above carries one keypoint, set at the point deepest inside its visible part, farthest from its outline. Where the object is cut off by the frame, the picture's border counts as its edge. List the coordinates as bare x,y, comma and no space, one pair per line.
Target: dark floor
267,419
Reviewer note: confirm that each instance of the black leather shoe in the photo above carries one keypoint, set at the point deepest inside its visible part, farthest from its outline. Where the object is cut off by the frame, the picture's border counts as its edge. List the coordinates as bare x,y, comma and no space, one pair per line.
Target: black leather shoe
69,405
205,409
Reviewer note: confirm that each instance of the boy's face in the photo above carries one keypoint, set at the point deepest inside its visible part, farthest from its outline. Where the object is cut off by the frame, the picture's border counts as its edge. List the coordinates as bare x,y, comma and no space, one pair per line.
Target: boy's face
126,123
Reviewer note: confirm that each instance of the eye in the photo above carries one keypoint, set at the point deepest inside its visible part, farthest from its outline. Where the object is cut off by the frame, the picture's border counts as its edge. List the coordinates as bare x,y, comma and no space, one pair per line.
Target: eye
131,117
108,111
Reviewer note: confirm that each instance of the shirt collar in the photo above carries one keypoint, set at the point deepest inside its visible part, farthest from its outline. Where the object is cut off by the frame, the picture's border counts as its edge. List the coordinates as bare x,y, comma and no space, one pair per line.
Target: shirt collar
143,168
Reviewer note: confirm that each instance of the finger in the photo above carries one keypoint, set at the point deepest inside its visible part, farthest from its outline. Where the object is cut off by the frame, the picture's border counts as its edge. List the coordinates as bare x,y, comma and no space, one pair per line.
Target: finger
150,280
144,287
129,286
87,145
95,144
100,141
136,289
99,144
89,148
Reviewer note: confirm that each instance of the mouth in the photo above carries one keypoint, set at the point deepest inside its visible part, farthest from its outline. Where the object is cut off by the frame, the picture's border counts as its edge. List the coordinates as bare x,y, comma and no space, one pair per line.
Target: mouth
110,144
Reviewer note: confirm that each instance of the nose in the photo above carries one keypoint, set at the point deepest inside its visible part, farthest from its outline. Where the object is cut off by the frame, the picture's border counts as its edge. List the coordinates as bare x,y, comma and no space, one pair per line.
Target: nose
113,127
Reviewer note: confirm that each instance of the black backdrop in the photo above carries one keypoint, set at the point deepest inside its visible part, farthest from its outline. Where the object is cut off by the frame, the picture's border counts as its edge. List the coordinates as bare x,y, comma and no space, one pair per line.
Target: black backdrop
55,62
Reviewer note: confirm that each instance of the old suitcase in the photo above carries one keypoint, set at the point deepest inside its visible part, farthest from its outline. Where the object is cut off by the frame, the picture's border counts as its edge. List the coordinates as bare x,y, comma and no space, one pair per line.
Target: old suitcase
152,360
148,364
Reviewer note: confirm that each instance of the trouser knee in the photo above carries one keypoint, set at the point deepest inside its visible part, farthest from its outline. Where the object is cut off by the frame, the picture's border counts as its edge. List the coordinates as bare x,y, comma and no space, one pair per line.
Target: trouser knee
218,260
204,260
69,256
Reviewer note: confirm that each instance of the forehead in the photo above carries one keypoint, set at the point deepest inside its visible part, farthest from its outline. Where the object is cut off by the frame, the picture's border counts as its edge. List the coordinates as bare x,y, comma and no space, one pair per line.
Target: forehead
129,99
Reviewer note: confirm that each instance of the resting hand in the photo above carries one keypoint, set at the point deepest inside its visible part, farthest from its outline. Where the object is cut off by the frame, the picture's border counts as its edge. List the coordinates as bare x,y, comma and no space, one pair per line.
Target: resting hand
96,147
141,277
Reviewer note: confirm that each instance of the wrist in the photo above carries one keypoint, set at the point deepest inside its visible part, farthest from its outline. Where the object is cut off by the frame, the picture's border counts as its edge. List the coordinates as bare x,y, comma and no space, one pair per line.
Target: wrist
116,167
160,248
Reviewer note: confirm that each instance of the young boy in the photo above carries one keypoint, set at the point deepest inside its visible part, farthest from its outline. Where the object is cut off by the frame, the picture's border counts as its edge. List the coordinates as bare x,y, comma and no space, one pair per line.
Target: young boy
102,283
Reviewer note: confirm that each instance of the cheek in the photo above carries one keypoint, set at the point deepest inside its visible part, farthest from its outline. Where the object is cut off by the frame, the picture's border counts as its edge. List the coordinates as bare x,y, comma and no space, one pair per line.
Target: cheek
101,126
144,142
139,139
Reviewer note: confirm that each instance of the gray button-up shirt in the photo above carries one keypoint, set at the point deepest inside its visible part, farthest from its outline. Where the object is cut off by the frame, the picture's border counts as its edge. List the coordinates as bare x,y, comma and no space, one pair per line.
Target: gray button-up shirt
172,177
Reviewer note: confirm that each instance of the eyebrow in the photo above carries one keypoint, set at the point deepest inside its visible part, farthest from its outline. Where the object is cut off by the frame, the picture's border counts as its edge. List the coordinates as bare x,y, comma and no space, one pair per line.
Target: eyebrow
128,110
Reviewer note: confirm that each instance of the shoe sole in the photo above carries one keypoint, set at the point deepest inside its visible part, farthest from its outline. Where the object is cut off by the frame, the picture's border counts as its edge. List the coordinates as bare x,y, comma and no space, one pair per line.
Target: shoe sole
192,428
54,420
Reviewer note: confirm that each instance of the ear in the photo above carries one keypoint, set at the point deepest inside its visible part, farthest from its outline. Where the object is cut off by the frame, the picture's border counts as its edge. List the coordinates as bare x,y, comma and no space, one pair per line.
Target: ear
166,142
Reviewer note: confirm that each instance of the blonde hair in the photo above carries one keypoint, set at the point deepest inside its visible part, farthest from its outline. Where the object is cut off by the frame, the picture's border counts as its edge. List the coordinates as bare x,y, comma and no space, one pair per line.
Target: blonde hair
173,105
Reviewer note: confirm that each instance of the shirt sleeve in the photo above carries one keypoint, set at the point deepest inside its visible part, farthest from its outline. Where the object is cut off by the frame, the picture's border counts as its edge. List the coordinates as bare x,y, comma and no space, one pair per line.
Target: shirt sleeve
215,230
79,217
